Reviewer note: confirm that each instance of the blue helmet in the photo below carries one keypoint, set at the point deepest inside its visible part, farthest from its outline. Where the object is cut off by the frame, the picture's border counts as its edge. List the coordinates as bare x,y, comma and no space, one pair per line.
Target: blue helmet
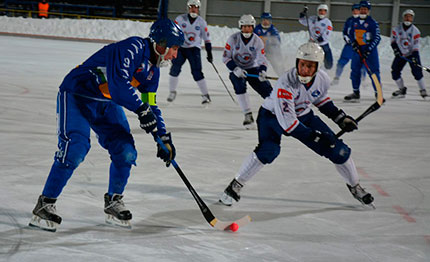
166,33
266,16
355,6
365,4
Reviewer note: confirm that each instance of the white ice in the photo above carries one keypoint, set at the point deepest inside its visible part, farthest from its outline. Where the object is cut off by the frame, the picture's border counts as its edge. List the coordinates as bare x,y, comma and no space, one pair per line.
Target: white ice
300,206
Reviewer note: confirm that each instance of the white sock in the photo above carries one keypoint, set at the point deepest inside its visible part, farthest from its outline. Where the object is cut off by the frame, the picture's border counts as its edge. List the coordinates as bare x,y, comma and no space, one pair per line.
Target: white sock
421,84
399,83
173,83
250,166
203,87
348,171
244,102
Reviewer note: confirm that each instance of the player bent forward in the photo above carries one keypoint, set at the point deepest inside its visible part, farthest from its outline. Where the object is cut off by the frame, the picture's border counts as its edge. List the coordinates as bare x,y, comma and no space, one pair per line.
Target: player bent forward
287,111
91,97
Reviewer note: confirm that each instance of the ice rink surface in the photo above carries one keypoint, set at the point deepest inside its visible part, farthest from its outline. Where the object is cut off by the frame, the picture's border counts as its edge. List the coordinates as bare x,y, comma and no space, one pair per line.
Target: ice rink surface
300,206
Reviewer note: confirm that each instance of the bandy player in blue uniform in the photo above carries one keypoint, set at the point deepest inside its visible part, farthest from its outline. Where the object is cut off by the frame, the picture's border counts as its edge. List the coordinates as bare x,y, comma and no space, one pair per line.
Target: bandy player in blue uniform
347,51
244,54
320,29
266,30
195,30
365,37
405,41
287,111
92,96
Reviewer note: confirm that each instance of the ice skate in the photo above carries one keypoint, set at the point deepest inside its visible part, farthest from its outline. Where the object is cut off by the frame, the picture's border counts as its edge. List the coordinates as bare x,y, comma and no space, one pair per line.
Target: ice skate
361,195
230,193
206,100
116,212
423,93
45,214
335,81
248,122
172,96
401,93
352,98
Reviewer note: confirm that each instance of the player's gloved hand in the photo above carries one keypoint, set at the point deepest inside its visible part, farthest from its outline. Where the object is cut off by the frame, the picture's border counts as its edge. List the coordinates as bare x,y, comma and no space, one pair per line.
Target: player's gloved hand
148,122
355,46
210,57
239,72
262,76
365,54
347,40
325,139
320,39
396,49
303,13
346,122
163,154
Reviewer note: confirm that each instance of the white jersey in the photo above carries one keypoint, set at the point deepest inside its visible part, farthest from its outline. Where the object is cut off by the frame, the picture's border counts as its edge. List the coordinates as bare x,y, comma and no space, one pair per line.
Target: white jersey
244,55
290,99
195,32
408,41
319,28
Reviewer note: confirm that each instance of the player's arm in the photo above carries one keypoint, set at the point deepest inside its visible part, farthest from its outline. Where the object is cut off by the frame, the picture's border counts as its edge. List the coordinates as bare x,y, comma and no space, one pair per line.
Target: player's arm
261,59
394,44
207,39
344,121
376,36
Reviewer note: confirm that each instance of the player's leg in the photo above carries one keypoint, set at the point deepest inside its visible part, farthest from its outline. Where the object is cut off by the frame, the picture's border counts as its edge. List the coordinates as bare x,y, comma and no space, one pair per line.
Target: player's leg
417,72
344,58
239,85
356,66
269,139
263,88
175,70
73,145
195,60
114,135
396,74
328,56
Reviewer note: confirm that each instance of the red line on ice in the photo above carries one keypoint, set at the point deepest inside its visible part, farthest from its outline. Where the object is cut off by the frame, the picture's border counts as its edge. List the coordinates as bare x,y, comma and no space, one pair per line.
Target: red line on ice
405,215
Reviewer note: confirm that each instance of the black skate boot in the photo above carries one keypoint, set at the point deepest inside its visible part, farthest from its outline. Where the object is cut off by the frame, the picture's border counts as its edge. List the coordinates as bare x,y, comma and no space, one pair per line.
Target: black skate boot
172,96
248,122
401,93
206,100
361,195
116,212
44,214
354,97
423,93
231,192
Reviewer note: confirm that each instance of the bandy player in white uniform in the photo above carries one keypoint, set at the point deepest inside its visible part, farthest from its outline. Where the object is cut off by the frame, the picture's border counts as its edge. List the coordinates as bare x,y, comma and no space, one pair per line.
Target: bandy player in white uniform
195,29
320,28
287,111
405,41
244,54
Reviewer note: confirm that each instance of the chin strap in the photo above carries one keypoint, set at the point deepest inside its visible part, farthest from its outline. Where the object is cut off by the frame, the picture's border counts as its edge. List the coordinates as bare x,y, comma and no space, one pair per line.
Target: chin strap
160,60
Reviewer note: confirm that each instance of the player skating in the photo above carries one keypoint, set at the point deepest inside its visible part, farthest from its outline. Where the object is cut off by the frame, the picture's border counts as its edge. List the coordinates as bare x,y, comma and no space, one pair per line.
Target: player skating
287,111
91,96
365,37
320,28
196,30
347,51
405,41
244,54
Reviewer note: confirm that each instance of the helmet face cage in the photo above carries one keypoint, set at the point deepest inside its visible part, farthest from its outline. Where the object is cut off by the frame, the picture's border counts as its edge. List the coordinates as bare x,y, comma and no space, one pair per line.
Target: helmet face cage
246,20
408,12
310,52
322,7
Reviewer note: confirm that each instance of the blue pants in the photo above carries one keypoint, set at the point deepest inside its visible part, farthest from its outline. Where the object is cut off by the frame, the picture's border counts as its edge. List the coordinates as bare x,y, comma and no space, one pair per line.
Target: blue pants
356,66
399,63
76,115
193,56
328,57
344,58
270,132
262,88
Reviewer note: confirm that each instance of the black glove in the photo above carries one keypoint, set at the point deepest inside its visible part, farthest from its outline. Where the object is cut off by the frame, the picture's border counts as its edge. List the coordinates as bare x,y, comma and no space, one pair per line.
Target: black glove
365,54
320,39
346,123
148,122
396,49
210,57
161,153
326,139
355,46
303,13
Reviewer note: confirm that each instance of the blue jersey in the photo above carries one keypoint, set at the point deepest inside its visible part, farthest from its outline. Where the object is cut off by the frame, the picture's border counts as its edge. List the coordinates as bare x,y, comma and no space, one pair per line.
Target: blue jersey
263,32
365,32
115,72
347,28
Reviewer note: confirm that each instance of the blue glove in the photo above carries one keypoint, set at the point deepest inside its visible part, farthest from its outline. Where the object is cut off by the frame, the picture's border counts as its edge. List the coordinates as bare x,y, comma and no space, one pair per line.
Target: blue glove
320,39
148,122
325,139
161,153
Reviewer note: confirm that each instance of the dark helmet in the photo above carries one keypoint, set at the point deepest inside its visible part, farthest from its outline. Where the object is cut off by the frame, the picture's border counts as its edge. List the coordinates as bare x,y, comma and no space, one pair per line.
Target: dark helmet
166,33
266,15
355,6
366,4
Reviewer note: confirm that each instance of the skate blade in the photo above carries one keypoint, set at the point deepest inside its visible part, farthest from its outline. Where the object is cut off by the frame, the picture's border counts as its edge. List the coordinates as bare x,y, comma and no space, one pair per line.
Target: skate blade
398,97
205,105
250,126
40,223
352,101
226,200
111,220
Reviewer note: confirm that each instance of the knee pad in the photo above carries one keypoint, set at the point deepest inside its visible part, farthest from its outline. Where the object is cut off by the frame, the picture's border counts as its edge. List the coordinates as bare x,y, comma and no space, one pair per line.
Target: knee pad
267,152
340,153
72,150
122,151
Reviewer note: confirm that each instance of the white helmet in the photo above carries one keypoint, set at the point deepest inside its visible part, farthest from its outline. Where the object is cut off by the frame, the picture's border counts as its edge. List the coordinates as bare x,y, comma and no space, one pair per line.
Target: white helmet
246,20
193,2
408,12
321,7
309,51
